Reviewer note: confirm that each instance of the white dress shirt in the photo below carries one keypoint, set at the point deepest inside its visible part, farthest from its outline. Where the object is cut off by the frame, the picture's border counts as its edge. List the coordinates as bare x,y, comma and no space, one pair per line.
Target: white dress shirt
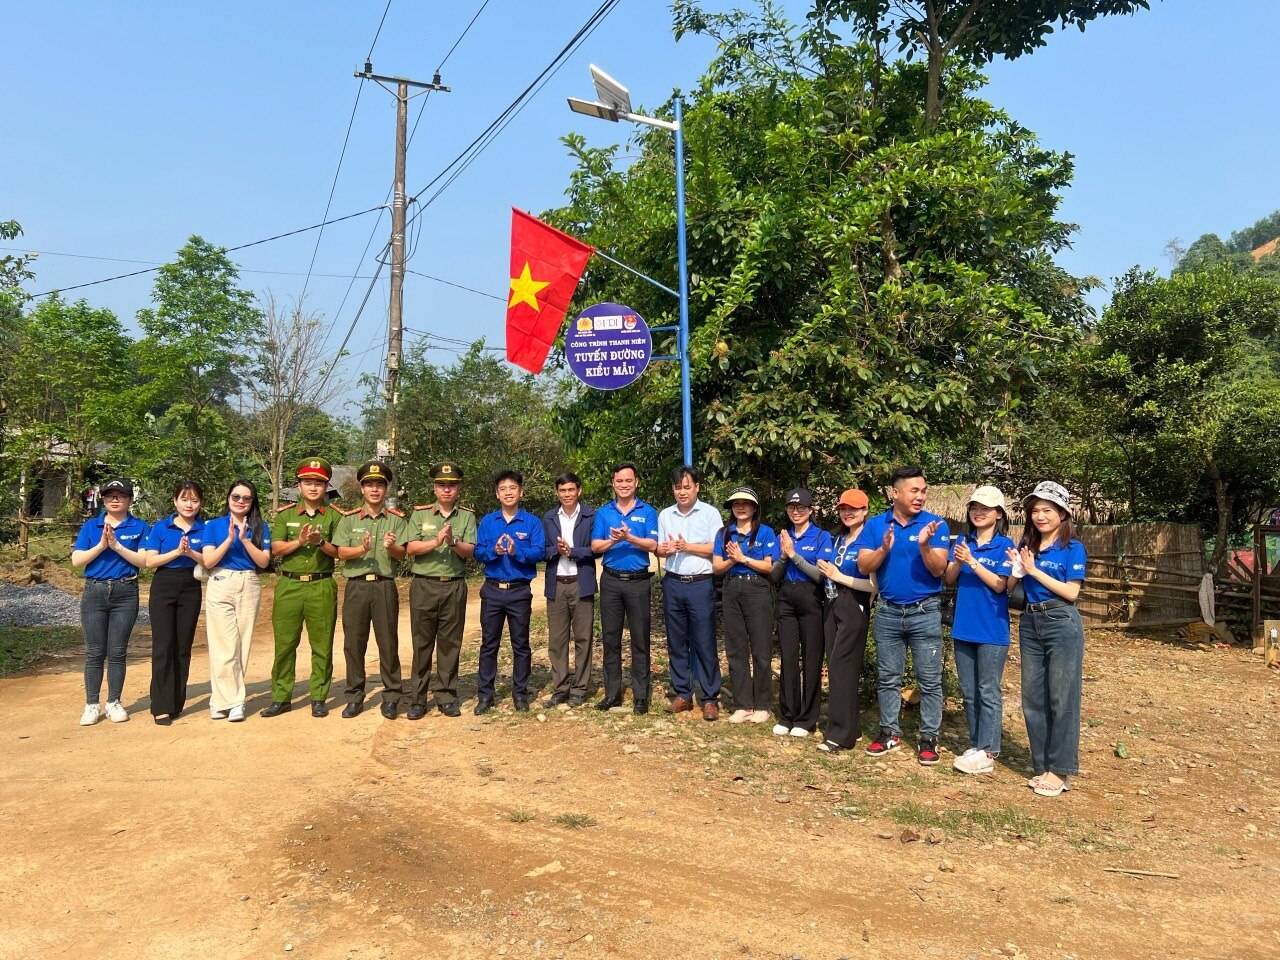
699,525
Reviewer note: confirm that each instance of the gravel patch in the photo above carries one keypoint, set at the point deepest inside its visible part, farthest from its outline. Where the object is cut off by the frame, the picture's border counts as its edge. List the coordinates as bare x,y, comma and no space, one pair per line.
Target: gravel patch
44,605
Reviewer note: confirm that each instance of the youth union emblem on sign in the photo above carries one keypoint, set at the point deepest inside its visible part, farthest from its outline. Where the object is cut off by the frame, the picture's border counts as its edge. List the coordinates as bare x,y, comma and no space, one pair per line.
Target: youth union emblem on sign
608,346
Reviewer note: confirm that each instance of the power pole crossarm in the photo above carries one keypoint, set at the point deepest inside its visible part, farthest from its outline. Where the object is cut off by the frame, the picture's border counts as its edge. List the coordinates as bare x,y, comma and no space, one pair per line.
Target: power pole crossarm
395,321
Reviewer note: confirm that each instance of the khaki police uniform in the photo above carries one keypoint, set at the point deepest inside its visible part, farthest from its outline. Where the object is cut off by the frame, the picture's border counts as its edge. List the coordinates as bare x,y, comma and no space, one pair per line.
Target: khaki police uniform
306,593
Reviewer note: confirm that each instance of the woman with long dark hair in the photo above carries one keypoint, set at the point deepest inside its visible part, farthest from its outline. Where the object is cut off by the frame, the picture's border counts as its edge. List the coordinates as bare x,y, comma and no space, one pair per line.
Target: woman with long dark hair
108,546
979,567
236,546
745,552
1051,637
173,550
845,623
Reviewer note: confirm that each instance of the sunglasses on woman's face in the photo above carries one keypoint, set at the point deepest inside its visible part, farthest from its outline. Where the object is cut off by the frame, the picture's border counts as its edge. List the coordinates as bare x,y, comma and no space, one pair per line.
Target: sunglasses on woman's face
242,498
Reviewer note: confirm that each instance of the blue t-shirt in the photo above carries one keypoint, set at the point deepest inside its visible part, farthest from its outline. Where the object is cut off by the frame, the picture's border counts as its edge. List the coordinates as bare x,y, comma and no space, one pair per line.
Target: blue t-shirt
623,557
1060,562
236,557
525,531
109,565
164,537
814,545
982,615
764,547
903,577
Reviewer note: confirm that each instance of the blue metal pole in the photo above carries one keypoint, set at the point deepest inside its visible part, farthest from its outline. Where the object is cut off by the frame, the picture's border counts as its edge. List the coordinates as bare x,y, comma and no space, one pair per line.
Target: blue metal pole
686,401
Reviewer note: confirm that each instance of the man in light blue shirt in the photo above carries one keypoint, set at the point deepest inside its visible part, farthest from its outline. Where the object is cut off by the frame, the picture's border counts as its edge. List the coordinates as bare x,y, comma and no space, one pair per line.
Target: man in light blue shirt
686,538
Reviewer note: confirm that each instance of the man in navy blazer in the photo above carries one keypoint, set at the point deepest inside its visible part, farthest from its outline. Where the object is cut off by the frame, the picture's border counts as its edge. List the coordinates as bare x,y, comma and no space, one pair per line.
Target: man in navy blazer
570,591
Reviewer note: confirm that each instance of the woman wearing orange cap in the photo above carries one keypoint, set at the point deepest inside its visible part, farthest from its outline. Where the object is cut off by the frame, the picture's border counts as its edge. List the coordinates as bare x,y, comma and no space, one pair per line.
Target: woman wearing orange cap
845,625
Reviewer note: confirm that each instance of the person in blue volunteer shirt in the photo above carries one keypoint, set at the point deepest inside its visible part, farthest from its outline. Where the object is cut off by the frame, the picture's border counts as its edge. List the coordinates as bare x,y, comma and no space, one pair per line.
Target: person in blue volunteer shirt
979,567
848,615
906,548
1051,563
236,546
509,543
799,616
745,552
623,535
173,550
109,547
686,538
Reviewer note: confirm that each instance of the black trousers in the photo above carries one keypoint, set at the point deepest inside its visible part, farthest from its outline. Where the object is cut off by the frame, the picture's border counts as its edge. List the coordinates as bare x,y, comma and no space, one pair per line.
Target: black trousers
748,640
375,602
627,599
801,641
511,607
174,607
847,618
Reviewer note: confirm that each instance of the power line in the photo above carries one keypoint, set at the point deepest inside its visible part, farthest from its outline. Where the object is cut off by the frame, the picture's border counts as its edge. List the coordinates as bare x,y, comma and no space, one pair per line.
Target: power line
242,246
161,263
378,32
450,283
462,36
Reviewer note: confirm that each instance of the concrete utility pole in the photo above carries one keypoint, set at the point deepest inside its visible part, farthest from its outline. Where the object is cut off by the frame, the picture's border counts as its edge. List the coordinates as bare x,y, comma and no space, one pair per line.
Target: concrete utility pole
395,322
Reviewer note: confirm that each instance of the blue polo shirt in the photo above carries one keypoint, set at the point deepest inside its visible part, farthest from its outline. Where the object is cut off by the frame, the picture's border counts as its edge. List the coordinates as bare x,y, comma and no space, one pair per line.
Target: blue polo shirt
109,565
846,561
816,544
903,577
764,547
164,537
623,557
982,615
531,545
236,557
1060,562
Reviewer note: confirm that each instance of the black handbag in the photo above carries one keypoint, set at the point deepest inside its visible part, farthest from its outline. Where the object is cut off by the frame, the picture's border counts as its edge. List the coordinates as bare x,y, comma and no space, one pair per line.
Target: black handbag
1017,594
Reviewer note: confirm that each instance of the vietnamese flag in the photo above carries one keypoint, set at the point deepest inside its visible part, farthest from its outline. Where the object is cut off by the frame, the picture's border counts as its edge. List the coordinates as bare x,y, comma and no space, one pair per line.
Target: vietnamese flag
545,267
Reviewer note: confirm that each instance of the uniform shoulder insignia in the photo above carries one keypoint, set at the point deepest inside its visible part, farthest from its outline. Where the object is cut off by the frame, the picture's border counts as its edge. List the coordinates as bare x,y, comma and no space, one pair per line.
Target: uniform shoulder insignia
349,513
286,506
393,510
422,506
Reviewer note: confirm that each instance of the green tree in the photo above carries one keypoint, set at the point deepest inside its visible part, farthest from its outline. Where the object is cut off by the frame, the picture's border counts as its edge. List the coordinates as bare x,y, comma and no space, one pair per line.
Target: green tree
190,363
70,366
1210,249
864,285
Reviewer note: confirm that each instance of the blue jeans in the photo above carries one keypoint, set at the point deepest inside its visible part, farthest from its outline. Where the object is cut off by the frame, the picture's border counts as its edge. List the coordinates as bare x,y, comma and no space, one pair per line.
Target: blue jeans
108,611
918,627
1052,648
979,668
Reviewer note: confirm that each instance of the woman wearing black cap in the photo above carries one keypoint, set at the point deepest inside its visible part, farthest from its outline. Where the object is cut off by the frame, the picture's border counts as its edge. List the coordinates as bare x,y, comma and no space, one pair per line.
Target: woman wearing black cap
108,546
800,600
849,595
745,552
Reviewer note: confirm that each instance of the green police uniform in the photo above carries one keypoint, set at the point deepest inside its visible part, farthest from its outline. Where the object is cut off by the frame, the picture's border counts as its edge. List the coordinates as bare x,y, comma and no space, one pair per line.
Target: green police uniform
438,596
305,593
370,596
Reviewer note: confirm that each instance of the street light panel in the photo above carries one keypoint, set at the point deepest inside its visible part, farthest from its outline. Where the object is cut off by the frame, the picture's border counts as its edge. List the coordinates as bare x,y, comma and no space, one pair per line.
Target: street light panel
610,92
592,109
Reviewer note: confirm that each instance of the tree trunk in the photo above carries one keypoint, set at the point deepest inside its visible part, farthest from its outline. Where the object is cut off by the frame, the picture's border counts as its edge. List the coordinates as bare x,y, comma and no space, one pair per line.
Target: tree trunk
1224,503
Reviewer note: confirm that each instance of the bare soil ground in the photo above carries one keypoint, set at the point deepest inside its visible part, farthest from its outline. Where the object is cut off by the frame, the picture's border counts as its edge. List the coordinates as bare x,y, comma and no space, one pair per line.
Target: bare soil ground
577,834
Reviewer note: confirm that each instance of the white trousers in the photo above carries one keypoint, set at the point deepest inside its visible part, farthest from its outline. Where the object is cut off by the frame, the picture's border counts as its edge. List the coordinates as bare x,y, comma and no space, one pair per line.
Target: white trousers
230,609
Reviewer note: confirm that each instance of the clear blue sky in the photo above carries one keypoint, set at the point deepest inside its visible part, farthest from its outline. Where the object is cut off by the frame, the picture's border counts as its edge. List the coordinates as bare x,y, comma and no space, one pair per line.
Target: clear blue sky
129,127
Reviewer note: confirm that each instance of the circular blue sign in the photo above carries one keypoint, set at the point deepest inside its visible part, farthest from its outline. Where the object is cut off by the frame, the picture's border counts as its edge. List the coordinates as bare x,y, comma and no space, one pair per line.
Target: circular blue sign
608,346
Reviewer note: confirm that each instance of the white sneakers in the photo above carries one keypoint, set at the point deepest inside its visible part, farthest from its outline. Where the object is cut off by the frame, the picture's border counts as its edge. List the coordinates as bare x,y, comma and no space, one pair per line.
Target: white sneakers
93,713
740,716
781,729
799,732
974,761
217,714
758,716
236,713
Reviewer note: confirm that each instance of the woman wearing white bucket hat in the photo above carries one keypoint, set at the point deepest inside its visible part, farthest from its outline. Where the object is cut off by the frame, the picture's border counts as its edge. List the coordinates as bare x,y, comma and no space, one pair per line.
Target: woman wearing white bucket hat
1051,637
979,567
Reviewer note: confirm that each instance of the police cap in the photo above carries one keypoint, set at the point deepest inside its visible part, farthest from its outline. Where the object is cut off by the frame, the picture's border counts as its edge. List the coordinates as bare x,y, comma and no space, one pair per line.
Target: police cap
446,471
314,468
373,470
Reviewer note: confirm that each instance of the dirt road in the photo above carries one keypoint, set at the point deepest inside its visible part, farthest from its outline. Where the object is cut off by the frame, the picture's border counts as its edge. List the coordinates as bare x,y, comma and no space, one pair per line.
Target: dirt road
577,834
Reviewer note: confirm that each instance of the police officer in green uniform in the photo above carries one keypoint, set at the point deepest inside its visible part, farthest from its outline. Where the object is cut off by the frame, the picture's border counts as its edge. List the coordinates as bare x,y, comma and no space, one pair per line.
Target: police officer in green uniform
363,537
302,540
439,539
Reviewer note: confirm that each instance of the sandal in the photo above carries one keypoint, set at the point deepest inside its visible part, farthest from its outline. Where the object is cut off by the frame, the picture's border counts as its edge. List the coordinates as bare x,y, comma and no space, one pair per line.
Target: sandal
830,746
1045,789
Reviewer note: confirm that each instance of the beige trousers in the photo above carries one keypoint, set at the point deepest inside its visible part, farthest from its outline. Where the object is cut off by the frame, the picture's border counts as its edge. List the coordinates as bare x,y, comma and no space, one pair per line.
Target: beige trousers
230,609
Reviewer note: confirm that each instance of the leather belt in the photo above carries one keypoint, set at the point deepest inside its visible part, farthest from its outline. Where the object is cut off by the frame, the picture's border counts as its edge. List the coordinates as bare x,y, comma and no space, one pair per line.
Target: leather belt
560,579
745,576
306,577
369,576
638,575
506,584
689,577
113,579
907,606
434,579
1048,605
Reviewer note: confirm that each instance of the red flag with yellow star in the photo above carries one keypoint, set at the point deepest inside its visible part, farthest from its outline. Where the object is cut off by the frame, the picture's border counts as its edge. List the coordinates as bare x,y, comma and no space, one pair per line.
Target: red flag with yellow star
545,267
